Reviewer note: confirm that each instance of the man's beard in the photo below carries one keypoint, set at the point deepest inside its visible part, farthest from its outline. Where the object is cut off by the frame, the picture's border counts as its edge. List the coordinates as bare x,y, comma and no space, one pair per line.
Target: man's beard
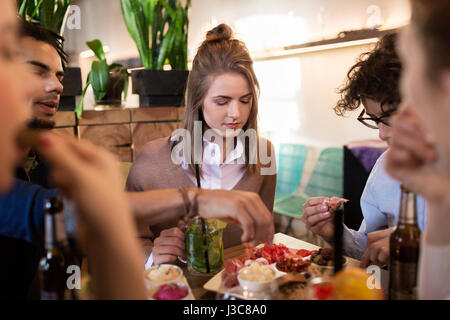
41,124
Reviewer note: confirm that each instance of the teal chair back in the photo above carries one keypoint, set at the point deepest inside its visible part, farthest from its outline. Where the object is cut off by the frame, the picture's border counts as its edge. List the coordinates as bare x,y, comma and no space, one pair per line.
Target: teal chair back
327,177
291,160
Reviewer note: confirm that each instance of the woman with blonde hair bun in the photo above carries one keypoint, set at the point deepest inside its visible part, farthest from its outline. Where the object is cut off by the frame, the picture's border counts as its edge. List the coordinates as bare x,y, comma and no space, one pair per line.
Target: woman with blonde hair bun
218,147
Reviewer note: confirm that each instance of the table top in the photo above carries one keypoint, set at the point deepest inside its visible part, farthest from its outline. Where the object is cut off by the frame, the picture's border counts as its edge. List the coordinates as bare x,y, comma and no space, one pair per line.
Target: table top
197,282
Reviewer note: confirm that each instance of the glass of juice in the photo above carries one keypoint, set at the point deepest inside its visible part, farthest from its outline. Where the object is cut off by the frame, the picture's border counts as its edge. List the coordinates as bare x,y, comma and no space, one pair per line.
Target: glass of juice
204,246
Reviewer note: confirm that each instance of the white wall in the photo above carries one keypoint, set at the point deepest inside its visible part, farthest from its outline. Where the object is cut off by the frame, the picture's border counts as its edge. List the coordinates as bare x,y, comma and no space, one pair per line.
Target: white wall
268,23
297,93
260,23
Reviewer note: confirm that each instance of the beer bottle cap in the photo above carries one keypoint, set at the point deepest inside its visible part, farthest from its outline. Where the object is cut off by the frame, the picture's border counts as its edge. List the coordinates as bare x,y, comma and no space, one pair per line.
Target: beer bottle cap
53,205
404,189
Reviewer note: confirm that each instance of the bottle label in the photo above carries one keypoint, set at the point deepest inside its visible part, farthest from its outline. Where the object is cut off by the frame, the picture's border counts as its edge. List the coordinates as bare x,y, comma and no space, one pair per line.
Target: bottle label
48,295
55,230
403,281
60,224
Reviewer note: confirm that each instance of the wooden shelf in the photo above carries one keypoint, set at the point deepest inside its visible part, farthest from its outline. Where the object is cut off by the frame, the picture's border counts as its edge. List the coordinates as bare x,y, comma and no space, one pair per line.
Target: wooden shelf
122,131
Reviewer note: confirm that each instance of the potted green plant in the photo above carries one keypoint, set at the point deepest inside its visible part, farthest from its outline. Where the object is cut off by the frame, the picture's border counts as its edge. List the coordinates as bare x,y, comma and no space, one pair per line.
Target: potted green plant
109,82
52,14
159,28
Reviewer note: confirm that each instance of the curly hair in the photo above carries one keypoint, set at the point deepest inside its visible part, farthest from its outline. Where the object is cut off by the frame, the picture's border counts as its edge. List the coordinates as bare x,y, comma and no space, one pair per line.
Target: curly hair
375,76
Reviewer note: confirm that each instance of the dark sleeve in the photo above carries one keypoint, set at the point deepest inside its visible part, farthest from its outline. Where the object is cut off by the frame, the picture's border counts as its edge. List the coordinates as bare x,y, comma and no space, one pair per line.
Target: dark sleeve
269,174
22,212
267,191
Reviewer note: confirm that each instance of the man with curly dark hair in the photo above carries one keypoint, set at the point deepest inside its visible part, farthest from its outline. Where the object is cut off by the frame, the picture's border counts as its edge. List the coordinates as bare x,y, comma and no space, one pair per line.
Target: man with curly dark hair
372,82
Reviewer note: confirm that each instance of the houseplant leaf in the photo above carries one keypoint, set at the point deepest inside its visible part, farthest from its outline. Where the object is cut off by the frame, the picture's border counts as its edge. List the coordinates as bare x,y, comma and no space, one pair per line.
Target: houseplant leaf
80,106
46,13
176,60
99,78
61,15
166,47
97,47
168,9
138,28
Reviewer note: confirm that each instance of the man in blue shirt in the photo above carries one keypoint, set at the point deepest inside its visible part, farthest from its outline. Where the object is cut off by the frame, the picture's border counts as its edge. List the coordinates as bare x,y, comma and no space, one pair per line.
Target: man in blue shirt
21,236
372,82
22,209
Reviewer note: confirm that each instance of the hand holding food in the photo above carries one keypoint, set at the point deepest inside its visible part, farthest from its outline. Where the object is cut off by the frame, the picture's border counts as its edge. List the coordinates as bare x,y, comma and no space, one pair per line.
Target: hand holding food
318,215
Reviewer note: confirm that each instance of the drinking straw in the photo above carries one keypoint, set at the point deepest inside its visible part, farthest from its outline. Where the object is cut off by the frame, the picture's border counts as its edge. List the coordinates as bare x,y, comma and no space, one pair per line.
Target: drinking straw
197,173
338,232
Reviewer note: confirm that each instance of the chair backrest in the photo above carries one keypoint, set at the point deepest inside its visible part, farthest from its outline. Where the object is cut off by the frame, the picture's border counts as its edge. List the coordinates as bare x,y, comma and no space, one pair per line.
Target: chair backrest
327,176
291,160
124,171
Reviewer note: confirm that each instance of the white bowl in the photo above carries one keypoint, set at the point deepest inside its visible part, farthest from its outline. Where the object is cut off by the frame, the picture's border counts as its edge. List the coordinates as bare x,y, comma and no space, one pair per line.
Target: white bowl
156,275
252,285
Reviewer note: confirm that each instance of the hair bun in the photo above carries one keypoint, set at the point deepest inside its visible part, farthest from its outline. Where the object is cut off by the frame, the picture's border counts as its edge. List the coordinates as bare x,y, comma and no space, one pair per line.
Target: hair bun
219,33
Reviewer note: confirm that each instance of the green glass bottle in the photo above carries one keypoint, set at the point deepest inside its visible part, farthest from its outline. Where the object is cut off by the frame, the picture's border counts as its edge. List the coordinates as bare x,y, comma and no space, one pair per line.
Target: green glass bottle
404,250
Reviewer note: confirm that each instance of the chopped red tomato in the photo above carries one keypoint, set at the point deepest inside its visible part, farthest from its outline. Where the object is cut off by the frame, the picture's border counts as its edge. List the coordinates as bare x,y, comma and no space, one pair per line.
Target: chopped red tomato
303,253
323,291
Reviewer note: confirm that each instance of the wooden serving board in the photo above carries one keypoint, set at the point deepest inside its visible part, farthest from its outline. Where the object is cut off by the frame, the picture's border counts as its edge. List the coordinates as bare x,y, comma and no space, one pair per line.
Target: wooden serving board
214,284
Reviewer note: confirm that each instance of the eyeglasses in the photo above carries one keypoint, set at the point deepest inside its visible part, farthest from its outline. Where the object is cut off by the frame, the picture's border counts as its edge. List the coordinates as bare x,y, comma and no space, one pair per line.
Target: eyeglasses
373,122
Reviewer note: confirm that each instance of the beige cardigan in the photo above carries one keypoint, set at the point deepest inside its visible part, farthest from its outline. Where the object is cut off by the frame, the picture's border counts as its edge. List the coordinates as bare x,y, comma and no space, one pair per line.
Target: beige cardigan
154,169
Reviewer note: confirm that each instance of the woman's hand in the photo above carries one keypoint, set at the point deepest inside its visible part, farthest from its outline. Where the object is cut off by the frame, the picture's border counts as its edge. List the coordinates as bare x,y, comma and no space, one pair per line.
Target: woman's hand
169,246
317,218
239,207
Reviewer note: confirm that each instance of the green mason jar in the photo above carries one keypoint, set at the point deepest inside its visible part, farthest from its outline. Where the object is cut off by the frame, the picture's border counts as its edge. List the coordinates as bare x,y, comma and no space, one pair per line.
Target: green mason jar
204,245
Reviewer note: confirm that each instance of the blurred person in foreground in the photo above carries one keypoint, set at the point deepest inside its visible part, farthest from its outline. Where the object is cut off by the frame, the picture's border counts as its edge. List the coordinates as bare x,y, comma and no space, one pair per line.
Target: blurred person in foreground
104,215
84,173
22,208
373,82
419,156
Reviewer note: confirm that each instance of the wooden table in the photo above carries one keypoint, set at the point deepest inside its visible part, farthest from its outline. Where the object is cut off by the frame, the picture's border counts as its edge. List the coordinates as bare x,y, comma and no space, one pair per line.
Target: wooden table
197,282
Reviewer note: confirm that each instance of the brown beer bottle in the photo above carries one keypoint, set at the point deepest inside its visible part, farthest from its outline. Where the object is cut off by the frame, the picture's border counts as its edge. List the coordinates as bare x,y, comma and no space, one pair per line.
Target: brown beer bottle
52,267
404,250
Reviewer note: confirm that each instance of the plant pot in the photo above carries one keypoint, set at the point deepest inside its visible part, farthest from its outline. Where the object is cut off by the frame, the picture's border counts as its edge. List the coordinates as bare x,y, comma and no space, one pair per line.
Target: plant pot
72,88
113,97
158,88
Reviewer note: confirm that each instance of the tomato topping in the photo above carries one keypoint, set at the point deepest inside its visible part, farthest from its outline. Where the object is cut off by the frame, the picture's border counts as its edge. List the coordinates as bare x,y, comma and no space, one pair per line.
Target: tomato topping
303,253
323,291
